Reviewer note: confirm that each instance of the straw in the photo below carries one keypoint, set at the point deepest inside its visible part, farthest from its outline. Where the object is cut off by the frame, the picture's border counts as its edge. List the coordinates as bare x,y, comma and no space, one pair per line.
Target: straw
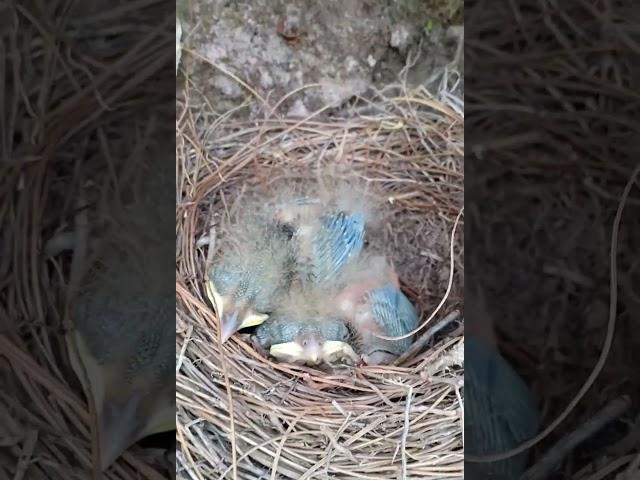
241,415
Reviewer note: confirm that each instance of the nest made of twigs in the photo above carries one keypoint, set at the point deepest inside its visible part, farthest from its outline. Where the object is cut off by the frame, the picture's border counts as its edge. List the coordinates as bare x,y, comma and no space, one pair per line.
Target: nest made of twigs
549,178
243,416
81,97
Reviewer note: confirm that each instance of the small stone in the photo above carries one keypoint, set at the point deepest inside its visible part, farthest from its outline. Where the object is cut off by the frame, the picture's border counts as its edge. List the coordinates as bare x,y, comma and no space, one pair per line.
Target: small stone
336,93
400,38
352,64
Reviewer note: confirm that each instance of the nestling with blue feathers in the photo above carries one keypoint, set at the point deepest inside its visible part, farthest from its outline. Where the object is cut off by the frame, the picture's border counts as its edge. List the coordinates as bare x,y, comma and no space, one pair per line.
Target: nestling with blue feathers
328,229
371,302
299,271
252,271
305,330
122,342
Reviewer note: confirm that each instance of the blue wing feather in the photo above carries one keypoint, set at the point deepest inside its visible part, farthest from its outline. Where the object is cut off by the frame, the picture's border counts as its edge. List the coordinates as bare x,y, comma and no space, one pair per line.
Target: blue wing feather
394,313
340,239
499,409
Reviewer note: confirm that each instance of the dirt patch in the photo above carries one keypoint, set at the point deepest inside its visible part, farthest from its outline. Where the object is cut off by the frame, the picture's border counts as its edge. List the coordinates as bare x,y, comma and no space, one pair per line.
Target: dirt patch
337,49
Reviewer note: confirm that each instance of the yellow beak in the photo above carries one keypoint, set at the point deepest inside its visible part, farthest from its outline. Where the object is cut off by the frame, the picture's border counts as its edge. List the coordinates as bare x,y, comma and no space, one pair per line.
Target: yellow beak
332,349
214,297
230,318
286,351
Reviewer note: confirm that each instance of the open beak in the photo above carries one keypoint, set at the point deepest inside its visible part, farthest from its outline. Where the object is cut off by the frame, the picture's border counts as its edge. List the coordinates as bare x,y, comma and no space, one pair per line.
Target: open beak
231,319
232,322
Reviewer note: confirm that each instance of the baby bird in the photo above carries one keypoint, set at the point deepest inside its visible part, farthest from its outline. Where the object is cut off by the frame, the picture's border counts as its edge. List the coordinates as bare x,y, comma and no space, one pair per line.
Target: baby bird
302,331
123,351
121,342
499,409
372,303
309,341
328,229
253,269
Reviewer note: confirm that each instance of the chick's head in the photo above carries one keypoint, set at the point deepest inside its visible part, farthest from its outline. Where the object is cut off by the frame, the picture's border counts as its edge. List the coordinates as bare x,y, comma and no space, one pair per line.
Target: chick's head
123,349
321,340
302,331
251,271
371,302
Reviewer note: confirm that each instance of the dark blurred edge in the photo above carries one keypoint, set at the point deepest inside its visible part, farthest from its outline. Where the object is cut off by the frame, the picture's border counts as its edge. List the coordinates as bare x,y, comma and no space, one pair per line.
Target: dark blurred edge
552,136
40,123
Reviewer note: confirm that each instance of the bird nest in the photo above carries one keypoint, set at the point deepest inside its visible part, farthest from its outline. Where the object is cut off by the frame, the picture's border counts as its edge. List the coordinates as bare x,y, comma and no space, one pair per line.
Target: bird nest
240,415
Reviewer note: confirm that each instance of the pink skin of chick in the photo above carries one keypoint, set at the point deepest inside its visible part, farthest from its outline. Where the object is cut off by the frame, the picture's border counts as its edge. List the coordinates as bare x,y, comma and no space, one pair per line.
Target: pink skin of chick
302,217
352,305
